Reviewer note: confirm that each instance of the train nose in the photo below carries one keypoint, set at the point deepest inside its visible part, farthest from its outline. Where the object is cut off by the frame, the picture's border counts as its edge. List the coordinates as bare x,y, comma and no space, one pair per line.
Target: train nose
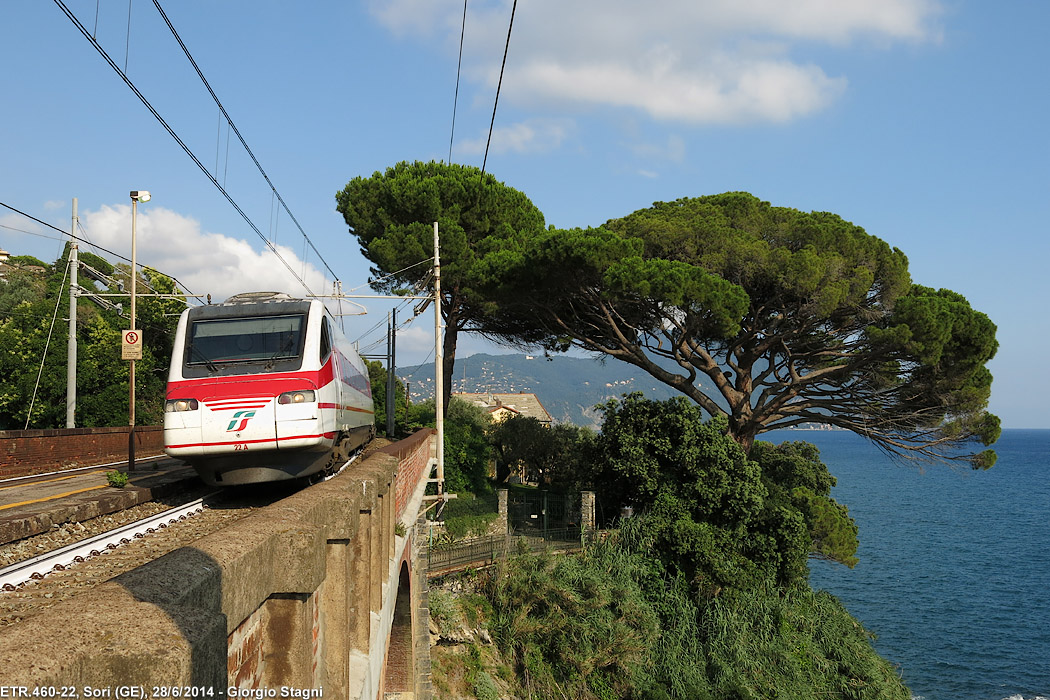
239,424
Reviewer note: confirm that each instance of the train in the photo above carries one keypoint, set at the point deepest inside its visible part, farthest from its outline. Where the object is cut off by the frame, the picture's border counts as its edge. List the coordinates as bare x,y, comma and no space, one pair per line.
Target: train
264,387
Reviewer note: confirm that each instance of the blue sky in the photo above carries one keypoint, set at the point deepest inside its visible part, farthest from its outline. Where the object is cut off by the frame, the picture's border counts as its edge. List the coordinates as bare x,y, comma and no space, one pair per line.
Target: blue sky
922,121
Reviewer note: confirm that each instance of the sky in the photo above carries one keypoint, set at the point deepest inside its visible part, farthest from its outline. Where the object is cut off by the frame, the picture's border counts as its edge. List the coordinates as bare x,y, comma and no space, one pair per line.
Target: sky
923,121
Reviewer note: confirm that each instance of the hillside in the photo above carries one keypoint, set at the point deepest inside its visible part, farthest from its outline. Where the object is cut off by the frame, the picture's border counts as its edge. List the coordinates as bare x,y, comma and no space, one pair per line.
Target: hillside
568,387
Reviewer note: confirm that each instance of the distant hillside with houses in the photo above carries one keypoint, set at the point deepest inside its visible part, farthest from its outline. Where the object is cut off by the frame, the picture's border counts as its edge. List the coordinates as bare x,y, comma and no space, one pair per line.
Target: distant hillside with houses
568,387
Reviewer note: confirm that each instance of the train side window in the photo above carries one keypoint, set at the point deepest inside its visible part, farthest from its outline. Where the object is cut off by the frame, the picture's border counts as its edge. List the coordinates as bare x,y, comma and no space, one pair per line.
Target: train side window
326,341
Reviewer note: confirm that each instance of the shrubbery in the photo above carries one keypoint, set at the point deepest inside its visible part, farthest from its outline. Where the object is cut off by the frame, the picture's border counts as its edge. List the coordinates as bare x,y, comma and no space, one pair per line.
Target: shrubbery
723,518
613,622
469,515
703,595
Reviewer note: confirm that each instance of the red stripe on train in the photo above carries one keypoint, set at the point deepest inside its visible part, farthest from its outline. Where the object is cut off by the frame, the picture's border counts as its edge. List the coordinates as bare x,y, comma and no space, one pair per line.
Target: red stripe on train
246,442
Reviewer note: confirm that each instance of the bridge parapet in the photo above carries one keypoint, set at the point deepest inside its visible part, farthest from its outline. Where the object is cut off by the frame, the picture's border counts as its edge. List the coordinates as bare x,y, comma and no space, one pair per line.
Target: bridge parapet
413,455
301,595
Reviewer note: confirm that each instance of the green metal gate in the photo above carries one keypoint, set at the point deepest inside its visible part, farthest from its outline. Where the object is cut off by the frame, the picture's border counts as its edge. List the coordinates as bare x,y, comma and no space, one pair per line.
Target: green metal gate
531,512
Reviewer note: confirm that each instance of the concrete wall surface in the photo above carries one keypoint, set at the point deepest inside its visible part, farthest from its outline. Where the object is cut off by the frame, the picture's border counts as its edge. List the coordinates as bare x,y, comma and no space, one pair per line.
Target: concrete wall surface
295,600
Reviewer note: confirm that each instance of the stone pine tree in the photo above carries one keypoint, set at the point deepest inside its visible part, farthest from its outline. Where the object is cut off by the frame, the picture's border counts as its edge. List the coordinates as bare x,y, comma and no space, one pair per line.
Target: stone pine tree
769,316
392,215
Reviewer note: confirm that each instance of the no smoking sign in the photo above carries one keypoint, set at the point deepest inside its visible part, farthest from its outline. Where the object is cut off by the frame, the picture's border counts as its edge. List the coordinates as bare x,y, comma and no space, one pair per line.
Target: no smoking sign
131,345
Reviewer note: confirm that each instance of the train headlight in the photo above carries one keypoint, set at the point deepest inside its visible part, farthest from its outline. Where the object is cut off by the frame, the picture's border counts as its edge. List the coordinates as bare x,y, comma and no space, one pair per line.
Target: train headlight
304,396
179,405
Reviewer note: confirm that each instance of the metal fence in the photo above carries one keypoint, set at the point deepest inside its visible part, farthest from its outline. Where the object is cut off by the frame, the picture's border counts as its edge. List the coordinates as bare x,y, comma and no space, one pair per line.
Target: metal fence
456,556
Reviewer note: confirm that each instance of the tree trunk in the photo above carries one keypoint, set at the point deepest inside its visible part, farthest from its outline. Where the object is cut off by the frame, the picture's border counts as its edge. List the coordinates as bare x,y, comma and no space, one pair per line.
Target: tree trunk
448,360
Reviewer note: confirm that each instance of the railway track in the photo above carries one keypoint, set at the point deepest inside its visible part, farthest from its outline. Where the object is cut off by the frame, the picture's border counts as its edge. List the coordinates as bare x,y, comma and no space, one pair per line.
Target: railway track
36,582
35,568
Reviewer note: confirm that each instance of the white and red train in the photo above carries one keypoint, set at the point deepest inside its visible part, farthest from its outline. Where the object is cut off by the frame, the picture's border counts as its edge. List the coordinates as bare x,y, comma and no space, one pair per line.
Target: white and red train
264,387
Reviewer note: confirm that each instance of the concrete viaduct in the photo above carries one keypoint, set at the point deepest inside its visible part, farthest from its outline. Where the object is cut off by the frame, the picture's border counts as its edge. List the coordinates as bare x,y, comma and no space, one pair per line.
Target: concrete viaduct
318,595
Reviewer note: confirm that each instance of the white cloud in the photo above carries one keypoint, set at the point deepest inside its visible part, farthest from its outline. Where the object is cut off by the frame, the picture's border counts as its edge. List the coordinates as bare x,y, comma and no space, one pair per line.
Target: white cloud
688,61
673,150
530,136
417,339
206,263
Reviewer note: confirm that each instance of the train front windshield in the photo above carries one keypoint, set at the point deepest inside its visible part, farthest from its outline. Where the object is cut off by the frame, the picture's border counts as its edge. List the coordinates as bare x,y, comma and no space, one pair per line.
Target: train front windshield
264,343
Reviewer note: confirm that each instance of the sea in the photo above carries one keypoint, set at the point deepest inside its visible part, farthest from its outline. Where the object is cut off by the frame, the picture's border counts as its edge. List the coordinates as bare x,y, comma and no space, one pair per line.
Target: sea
954,571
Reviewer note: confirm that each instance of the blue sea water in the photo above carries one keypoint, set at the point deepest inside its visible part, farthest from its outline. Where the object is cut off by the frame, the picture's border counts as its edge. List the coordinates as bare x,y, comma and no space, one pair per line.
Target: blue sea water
954,572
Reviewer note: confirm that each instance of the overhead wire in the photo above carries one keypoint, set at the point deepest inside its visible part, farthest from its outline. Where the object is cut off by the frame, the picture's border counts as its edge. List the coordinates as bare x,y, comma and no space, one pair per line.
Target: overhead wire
237,131
88,242
47,344
459,68
392,274
31,233
142,98
380,322
499,85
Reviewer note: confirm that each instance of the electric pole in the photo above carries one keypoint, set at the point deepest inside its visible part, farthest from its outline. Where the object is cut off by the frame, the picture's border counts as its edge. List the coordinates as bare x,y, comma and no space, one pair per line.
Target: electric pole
71,348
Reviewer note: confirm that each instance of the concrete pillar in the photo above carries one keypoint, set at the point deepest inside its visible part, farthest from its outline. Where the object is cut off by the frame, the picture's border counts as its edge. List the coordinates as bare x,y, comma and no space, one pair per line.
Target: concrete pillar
360,584
421,613
391,520
337,621
287,636
501,494
378,558
587,510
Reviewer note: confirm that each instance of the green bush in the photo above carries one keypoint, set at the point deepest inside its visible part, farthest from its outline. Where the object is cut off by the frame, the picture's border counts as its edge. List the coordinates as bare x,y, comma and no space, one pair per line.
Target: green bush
469,525
467,449
484,687
117,479
469,515
443,611
720,516
613,622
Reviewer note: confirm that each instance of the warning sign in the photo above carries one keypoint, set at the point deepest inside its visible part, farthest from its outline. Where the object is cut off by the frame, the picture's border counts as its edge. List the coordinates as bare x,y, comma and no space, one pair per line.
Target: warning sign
131,345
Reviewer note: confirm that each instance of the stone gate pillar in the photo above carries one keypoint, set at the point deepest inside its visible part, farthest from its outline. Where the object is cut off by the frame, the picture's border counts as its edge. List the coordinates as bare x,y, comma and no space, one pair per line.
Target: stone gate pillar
587,510
501,494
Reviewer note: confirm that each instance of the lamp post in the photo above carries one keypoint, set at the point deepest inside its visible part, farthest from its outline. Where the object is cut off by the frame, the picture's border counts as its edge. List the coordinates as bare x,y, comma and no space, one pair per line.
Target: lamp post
136,197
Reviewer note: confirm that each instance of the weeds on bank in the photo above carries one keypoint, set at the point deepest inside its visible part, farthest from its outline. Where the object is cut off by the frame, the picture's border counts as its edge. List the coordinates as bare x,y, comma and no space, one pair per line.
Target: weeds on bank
613,623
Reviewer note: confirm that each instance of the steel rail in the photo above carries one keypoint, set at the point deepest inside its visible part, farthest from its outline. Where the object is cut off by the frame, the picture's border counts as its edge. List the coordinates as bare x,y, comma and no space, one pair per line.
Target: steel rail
35,568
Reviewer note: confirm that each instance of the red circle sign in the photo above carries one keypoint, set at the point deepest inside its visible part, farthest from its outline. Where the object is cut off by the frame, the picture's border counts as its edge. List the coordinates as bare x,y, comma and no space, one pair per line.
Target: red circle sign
131,337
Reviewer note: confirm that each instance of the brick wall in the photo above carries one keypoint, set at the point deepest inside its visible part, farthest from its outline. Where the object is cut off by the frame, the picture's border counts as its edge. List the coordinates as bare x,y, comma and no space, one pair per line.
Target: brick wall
244,653
412,454
35,451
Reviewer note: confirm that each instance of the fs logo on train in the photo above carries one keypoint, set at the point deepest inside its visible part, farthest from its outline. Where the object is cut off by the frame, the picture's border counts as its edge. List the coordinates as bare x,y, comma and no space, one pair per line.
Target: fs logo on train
238,425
